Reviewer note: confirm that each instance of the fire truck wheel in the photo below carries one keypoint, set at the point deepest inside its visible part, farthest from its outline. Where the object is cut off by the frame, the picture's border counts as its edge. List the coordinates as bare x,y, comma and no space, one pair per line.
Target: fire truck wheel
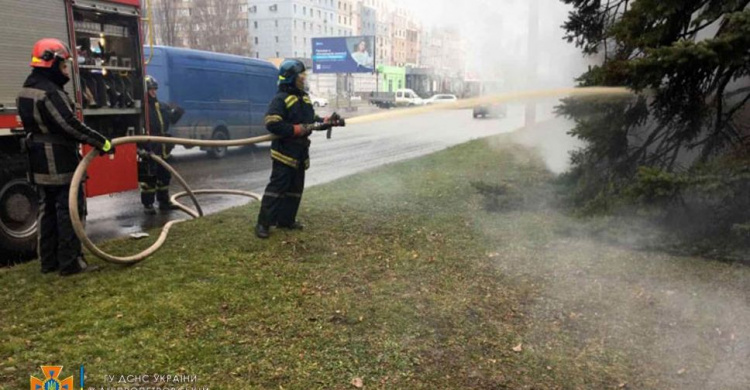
220,134
19,204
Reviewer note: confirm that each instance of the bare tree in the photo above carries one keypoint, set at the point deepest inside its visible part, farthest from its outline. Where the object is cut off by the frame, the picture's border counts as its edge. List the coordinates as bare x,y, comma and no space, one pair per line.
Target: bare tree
167,21
219,26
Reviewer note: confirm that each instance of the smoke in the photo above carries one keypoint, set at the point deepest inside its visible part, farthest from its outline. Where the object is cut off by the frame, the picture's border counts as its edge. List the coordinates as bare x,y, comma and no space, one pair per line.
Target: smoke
551,140
678,318
497,39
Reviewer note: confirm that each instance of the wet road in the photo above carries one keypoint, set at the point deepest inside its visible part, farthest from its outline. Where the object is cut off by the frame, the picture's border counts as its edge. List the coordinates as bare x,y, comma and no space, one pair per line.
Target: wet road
353,149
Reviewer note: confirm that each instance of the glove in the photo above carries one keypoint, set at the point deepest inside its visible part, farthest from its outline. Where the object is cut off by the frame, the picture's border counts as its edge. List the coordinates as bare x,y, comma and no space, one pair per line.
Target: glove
108,148
177,113
304,129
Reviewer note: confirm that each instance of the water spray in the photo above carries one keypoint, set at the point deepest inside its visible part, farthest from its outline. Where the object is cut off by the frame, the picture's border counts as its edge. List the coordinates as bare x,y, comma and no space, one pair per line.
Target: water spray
80,172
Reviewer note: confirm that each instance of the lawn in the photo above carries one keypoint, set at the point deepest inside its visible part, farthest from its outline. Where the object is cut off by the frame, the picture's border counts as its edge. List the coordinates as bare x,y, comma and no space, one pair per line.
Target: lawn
455,270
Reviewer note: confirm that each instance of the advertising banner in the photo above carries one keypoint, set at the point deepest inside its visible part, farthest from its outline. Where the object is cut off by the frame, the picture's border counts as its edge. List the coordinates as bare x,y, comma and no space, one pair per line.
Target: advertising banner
344,54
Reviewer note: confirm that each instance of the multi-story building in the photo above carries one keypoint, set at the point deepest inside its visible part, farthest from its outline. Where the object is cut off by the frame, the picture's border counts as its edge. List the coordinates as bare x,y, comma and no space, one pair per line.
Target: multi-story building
285,28
346,17
399,27
442,65
384,45
412,44
442,50
368,19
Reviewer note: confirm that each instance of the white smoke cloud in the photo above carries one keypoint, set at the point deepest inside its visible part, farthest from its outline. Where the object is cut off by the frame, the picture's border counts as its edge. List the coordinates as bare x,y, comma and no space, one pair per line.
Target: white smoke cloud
497,38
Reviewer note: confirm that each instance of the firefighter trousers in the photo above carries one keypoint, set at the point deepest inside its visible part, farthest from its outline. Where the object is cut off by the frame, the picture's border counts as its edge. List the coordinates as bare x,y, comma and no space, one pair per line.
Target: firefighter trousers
59,247
283,195
155,183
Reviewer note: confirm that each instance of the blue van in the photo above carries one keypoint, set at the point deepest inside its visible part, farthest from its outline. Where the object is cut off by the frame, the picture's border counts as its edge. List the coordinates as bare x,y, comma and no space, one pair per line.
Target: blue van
224,96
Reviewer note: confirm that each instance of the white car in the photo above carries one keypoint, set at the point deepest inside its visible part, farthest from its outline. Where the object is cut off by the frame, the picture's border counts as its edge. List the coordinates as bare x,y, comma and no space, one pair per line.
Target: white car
318,101
441,98
408,98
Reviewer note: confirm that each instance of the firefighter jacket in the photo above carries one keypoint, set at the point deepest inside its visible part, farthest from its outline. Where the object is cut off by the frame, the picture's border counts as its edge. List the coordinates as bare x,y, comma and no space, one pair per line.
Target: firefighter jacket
55,132
160,118
290,107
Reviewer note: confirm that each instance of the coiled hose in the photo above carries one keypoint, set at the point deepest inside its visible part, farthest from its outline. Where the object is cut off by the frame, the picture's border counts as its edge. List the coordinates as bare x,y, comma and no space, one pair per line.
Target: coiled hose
80,172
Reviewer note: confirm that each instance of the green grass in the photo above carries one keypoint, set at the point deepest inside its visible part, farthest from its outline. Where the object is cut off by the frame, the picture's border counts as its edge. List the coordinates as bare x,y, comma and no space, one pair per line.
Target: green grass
401,278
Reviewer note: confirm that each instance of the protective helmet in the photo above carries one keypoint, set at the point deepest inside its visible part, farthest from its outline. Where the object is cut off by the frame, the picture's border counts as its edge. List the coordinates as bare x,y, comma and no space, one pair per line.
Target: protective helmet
48,50
151,83
289,70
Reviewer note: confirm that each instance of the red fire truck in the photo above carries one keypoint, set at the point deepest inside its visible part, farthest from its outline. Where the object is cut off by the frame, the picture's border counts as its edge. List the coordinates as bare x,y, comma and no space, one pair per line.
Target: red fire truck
105,37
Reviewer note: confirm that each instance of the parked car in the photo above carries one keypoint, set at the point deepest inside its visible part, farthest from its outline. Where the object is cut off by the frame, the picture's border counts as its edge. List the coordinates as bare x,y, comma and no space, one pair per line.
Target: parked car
400,98
383,99
408,98
441,98
489,88
318,101
491,110
224,96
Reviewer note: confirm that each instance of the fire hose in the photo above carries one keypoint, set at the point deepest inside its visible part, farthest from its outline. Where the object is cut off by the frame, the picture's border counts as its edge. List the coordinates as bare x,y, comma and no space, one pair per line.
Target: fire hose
80,172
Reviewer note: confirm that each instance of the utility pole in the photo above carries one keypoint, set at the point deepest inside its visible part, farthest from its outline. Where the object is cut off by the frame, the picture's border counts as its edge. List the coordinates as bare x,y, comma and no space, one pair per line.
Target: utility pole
532,59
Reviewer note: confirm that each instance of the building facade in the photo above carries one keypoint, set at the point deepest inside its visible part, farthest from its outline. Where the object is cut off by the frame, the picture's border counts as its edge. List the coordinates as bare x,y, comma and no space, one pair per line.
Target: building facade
285,28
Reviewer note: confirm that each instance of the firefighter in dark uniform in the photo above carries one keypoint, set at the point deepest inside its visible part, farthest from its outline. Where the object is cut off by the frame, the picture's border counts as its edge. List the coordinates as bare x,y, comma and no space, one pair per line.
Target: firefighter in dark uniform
290,116
154,179
54,135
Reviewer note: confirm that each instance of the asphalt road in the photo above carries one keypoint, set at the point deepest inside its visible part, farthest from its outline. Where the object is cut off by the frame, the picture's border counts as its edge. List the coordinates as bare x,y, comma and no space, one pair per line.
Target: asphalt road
351,150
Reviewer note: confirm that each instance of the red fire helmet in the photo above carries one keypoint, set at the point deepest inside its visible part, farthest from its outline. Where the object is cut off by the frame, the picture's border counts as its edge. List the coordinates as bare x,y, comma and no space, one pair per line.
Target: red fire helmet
46,51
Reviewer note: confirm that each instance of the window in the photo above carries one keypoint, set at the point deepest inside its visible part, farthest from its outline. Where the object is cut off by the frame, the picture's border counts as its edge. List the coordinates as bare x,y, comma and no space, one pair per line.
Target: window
295,9
277,39
273,8
256,40
255,24
276,23
277,55
253,9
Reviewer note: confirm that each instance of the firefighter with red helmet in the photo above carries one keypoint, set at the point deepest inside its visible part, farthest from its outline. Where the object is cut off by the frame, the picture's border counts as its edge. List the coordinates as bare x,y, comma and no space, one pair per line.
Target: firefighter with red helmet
54,135
291,117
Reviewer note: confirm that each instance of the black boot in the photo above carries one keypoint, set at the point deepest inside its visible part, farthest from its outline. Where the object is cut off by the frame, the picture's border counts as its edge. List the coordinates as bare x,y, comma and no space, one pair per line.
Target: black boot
293,226
262,231
167,206
78,267
149,209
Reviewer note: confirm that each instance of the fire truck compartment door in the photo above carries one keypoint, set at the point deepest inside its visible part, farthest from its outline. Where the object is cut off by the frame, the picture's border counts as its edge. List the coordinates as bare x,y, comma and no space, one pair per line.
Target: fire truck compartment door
22,23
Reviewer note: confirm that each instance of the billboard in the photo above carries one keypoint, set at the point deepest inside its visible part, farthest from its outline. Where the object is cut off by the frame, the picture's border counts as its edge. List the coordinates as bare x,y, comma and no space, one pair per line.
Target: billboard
344,54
